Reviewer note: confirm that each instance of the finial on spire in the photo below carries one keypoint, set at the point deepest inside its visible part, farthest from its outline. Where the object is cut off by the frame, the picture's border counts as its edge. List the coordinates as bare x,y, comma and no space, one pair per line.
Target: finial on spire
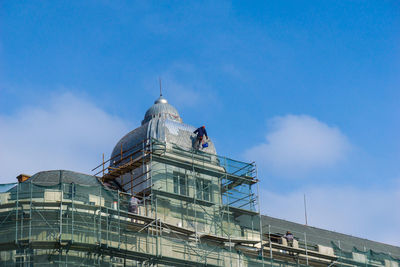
160,86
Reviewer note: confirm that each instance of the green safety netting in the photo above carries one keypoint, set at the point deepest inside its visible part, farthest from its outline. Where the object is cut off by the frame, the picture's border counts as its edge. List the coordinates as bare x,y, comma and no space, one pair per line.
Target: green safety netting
6,187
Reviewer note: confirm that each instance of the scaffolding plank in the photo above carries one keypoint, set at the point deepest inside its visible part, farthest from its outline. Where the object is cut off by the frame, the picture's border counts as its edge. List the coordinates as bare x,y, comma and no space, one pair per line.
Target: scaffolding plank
235,181
179,229
114,173
244,241
214,238
302,251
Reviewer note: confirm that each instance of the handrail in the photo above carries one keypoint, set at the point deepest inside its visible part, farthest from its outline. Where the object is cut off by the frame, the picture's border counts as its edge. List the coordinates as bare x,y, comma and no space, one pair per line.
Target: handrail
149,142
122,152
249,164
124,158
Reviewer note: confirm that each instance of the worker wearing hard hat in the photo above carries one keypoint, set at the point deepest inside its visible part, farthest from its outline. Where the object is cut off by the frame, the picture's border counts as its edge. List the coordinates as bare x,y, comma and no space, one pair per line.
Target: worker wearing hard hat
201,132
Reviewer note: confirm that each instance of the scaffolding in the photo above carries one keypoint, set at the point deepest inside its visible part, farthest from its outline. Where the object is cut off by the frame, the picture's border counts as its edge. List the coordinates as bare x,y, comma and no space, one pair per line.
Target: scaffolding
195,209
202,195
335,251
191,204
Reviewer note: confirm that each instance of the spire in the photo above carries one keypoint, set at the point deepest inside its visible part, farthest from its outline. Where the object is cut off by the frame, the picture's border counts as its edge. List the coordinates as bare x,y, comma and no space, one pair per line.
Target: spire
160,87
161,99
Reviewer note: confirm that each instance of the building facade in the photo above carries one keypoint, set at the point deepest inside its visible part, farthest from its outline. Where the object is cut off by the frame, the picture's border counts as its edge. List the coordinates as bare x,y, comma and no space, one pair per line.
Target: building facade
161,201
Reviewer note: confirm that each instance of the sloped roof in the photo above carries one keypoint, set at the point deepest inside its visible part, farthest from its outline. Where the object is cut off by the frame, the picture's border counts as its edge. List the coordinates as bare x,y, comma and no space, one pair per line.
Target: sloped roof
54,177
326,237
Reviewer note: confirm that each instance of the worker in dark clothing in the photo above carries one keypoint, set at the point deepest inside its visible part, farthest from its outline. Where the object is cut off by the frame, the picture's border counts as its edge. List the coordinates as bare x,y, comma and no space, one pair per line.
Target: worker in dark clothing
201,132
289,238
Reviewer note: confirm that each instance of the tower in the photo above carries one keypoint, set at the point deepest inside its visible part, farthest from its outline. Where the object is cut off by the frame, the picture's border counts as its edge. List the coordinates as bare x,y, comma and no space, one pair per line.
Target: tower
192,190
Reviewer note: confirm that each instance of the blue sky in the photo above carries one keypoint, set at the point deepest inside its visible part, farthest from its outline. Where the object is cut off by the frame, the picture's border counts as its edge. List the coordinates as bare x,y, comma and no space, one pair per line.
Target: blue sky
307,89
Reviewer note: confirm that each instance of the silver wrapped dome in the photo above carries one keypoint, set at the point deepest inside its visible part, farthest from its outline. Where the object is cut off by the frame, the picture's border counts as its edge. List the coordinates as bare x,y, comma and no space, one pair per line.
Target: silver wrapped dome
161,108
161,122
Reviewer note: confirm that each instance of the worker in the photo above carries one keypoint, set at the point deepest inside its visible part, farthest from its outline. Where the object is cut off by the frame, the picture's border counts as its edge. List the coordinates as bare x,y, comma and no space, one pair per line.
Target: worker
201,131
133,205
289,238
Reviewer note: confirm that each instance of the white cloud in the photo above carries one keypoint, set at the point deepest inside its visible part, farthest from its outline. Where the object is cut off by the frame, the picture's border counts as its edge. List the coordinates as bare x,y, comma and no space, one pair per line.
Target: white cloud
366,213
296,145
68,133
299,145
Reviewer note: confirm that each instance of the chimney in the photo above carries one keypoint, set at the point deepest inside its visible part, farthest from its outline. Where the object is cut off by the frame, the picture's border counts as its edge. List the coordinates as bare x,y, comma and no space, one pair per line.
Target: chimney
23,177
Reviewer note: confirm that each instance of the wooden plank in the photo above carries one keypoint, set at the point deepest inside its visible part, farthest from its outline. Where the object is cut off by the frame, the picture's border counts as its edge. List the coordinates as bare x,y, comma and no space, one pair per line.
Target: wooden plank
114,173
244,241
302,251
214,238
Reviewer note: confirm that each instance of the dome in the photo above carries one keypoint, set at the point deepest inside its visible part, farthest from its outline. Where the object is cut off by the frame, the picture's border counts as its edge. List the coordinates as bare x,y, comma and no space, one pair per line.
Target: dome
161,122
55,177
161,108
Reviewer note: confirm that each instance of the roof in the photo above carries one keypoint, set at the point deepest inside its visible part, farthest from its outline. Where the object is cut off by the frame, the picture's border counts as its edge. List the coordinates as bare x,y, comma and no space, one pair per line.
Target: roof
6,187
161,108
326,237
161,122
55,177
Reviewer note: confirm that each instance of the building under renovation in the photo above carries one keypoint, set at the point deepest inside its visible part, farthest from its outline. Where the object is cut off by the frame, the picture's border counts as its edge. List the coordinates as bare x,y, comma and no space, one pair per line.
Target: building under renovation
160,200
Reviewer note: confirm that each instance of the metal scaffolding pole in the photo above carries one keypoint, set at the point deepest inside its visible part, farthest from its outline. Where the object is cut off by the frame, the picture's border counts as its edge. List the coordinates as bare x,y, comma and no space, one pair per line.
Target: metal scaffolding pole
16,214
259,214
30,211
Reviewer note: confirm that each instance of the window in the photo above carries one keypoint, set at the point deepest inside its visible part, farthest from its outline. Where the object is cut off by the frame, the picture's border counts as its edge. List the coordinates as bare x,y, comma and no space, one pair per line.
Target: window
207,190
203,189
180,184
